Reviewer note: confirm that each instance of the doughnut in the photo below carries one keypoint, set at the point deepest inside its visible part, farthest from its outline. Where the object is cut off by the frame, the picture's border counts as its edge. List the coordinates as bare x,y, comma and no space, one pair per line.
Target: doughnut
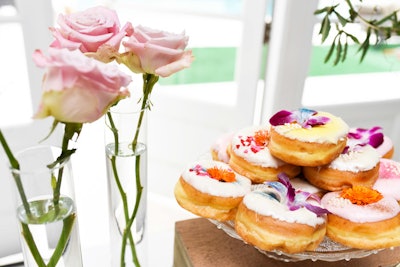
388,182
358,165
375,138
219,149
275,217
362,218
250,156
211,189
306,137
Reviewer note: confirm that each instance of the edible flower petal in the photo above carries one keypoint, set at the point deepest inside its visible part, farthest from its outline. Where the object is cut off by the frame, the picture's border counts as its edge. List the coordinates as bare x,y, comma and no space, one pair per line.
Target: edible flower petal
219,174
281,117
376,140
261,138
361,195
255,142
361,136
296,199
305,117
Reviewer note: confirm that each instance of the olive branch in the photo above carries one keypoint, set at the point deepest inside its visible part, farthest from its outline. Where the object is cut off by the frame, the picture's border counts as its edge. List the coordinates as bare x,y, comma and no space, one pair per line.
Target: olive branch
381,29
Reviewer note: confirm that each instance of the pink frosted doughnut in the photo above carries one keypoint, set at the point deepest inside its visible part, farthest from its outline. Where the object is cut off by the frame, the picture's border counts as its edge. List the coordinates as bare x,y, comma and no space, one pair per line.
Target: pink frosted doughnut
219,149
366,219
388,182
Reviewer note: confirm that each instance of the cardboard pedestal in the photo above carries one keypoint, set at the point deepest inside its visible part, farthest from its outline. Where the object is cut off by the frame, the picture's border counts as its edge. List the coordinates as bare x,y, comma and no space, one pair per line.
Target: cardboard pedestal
199,243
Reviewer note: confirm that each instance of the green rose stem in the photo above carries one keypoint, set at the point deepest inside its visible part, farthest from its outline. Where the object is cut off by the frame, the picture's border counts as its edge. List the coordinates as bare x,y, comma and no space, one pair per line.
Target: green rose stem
149,80
69,131
15,165
120,188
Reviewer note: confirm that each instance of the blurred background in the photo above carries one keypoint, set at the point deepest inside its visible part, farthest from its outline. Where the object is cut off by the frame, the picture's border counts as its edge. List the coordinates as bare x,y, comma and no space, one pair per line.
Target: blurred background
252,59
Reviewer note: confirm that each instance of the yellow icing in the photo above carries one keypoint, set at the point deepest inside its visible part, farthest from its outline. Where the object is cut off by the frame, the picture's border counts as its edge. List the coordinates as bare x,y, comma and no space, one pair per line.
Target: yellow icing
331,132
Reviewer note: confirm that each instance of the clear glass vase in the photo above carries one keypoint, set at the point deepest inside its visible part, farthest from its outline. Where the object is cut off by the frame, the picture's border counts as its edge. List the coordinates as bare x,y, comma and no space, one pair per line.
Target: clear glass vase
48,223
126,158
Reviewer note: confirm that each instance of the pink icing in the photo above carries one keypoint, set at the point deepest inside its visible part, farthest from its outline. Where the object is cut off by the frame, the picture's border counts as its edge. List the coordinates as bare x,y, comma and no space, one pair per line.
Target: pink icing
385,147
385,208
221,145
388,182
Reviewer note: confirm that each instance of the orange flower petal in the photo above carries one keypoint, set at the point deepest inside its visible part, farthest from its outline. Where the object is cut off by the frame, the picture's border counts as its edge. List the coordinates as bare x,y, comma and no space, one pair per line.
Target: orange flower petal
221,174
261,137
361,195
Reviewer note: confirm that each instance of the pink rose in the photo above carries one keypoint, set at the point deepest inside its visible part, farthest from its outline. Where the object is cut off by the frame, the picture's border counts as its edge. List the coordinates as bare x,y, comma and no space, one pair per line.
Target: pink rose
157,52
89,29
77,88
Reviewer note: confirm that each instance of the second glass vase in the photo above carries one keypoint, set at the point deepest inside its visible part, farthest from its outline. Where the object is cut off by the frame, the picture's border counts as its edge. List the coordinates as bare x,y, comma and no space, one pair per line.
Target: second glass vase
126,156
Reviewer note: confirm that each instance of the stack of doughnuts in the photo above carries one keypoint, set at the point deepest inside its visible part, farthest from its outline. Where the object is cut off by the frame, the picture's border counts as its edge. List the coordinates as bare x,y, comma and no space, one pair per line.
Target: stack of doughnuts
304,176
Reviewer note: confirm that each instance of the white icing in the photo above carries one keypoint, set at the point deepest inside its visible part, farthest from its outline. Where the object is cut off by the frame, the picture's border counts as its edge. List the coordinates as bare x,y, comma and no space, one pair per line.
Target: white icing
267,206
333,131
361,158
385,208
260,158
304,186
211,186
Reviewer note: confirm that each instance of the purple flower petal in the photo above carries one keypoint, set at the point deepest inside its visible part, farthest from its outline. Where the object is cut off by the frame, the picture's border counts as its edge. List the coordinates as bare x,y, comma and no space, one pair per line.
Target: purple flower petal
374,129
284,179
361,136
296,199
317,120
304,117
281,117
354,135
376,140
317,210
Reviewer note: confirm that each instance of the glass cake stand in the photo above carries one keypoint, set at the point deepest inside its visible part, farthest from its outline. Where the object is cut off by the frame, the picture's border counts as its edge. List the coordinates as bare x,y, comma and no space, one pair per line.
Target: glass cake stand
328,250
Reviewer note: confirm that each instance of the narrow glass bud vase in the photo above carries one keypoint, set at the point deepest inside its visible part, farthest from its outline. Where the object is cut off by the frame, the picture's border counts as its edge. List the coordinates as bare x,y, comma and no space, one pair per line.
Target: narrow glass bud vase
47,220
126,156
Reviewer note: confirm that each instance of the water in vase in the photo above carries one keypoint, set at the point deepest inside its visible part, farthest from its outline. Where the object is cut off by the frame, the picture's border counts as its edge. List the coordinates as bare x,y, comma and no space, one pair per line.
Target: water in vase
128,165
45,225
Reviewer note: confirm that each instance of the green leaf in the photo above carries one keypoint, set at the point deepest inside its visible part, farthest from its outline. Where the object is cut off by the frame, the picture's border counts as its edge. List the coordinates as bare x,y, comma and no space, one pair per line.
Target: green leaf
341,19
355,39
365,45
346,45
325,28
53,127
63,157
322,10
330,52
338,52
